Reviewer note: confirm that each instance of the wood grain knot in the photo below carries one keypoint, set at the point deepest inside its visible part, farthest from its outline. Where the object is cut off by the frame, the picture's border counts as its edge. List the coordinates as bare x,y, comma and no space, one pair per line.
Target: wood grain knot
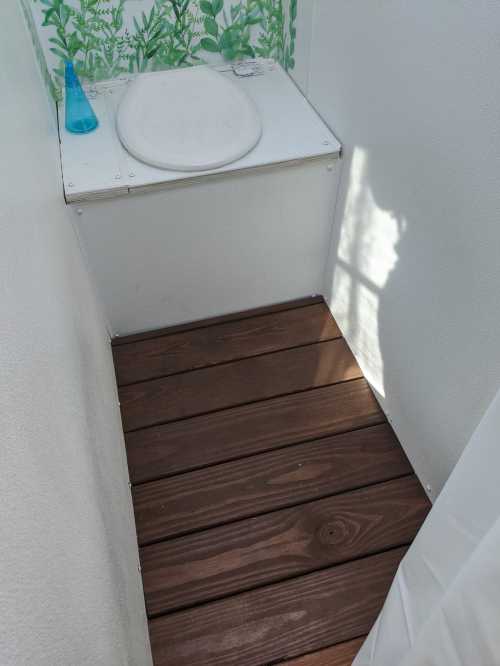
335,532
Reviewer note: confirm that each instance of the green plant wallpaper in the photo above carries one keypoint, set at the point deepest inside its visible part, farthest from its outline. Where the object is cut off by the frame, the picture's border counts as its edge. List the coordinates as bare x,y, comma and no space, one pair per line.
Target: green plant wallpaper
109,38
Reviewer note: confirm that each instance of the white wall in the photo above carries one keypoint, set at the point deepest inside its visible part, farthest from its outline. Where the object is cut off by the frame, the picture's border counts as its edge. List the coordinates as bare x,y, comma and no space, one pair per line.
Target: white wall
412,89
70,592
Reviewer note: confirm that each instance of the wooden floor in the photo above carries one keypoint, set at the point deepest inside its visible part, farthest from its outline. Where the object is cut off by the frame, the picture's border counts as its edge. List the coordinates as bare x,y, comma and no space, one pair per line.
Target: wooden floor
273,501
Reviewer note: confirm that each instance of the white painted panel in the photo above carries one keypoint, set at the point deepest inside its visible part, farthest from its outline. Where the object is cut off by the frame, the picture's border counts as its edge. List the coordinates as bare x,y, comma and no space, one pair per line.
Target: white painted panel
70,592
94,158
97,165
220,246
413,92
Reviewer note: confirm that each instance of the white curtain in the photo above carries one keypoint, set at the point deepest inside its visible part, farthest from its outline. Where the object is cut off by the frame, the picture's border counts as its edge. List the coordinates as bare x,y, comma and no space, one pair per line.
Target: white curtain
444,606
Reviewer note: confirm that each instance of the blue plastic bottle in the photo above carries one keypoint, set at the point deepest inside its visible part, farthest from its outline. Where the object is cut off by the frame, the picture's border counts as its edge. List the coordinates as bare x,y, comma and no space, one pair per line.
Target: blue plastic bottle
80,117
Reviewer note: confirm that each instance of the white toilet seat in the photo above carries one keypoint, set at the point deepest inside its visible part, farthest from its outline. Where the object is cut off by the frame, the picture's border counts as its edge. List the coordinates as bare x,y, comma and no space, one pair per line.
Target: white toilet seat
191,119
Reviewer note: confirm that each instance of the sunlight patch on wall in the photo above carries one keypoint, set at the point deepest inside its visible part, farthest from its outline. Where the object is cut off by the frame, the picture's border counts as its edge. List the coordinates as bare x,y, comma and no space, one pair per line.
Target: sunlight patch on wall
363,260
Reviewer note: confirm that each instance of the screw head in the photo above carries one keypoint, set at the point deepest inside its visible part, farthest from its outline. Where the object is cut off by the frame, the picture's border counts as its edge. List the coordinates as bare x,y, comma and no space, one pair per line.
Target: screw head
71,185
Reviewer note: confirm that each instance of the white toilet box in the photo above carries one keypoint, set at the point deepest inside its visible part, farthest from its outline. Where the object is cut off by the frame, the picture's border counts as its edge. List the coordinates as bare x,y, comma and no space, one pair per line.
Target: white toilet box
172,246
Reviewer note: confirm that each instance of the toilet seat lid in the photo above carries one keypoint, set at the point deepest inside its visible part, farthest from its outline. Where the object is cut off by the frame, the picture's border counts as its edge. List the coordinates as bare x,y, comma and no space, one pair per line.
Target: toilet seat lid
192,119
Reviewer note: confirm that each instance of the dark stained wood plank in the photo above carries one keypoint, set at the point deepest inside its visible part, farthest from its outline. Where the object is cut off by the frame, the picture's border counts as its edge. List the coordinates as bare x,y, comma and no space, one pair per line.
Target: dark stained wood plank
338,655
222,319
193,443
243,488
280,621
204,347
282,544
236,383
266,471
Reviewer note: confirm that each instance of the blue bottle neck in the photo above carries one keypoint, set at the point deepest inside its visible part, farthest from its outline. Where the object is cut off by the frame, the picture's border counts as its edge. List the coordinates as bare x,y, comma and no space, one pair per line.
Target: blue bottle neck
70,77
